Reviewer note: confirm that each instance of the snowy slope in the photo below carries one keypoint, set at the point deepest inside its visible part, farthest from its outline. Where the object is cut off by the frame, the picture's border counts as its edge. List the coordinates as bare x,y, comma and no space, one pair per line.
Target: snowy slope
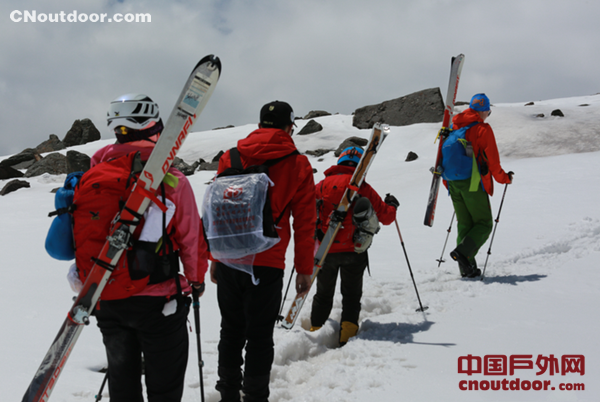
539,297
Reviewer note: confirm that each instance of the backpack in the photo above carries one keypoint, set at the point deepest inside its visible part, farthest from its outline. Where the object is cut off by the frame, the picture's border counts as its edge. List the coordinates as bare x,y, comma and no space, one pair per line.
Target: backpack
458,161
59,241
236,211
366,224
98,196
360,217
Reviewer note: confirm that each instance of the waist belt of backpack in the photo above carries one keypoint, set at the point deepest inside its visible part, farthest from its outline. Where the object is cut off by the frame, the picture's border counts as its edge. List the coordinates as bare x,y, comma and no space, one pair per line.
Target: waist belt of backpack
236,163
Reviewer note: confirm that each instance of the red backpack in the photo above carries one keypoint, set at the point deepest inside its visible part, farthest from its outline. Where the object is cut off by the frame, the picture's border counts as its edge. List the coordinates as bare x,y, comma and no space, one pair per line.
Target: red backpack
99,196
329,193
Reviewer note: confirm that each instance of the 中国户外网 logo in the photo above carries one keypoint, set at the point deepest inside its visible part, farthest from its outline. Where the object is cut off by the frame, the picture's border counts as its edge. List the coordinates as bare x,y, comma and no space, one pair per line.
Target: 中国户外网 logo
493,366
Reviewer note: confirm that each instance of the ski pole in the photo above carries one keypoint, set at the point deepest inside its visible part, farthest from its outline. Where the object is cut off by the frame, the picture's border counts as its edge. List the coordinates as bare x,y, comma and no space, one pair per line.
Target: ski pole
196,304
281,317
99,396
494,233
441,259
421,309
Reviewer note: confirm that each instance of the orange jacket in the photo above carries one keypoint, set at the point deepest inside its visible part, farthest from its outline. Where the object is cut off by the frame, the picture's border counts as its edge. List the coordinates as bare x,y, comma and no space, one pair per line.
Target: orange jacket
293,194
482,138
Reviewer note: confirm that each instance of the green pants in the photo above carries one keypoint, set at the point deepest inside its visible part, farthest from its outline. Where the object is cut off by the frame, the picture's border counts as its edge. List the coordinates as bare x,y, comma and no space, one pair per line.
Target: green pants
474,217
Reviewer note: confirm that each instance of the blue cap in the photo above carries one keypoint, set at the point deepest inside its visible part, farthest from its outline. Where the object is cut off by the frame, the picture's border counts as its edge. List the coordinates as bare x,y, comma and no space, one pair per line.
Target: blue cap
350,156
480,103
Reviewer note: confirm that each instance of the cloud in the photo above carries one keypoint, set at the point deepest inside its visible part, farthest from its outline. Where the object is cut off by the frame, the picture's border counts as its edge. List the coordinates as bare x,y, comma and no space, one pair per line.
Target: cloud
335,55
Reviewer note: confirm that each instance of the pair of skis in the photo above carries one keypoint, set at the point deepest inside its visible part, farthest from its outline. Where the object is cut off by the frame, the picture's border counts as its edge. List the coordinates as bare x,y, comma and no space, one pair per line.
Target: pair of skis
194,96
378,134
457,64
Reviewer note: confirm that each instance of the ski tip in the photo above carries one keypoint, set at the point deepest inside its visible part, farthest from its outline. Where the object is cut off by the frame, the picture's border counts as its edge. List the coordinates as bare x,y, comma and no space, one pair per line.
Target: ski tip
213,60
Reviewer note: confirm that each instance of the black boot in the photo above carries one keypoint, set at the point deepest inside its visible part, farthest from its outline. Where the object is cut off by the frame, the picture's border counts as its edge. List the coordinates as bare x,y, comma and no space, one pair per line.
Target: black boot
229,384
463,262
256,389
467,270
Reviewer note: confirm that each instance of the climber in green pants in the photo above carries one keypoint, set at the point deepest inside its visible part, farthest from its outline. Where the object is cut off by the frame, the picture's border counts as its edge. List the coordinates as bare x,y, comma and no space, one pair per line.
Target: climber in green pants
470,196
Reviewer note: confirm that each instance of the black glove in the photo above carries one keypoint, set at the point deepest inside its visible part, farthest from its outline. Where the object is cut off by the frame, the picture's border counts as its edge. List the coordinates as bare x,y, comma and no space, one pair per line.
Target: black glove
391,200
337,216
483,168
510,176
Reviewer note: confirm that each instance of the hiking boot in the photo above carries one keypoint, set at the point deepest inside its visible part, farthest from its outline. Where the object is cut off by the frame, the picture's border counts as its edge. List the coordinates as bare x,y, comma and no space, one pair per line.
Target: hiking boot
229,384
467,269
475,272
463,262
256,388
347,331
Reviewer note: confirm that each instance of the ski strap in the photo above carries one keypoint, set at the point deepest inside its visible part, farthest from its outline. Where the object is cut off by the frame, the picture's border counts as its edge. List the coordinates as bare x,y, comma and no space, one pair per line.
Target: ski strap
152,196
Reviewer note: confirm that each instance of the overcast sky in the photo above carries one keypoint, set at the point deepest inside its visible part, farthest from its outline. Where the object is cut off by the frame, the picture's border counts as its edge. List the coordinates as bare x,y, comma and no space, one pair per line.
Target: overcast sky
333,55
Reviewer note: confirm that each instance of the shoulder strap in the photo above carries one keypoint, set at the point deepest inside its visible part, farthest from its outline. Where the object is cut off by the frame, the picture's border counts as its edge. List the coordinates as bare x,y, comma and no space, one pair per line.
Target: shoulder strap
236,163
272,162
236,160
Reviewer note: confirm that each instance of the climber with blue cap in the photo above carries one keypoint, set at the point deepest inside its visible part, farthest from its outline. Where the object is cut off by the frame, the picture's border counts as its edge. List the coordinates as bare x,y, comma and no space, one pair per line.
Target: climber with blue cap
471,203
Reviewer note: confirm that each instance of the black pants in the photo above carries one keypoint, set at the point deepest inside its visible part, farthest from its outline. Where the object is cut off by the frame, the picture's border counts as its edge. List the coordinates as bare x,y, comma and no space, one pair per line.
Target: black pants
135,326
248,316
351,267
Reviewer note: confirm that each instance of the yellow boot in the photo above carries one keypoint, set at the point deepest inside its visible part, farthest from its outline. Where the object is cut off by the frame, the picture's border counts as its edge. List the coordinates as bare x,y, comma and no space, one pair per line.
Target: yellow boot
313,329
347,331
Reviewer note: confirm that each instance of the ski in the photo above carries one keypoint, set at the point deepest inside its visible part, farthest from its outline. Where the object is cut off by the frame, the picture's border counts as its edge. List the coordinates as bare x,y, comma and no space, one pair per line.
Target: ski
457,64
192,100
378,134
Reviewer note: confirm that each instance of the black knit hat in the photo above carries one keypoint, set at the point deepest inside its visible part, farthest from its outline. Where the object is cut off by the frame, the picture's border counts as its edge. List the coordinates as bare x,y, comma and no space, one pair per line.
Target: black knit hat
276,115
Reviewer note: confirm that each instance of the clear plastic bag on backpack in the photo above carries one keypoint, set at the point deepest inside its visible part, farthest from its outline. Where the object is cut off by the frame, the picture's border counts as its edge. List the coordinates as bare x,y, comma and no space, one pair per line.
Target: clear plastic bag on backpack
232,214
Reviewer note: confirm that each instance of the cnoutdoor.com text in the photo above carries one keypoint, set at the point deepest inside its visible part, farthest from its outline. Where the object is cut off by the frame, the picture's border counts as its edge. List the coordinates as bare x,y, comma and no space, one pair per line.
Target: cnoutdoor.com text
491,366
75,16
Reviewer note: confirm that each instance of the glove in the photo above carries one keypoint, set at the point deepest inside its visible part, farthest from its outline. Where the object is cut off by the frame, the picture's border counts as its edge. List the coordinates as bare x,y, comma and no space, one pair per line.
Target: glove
510,176
391,200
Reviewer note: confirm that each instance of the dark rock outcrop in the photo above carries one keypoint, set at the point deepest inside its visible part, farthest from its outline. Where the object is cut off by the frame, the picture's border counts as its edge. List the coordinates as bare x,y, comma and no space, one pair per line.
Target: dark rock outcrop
425,106
14,185
81,132
22,160
77,162
316,113
50,145
310,128
411,157
186,168
54,163
8,172
318,152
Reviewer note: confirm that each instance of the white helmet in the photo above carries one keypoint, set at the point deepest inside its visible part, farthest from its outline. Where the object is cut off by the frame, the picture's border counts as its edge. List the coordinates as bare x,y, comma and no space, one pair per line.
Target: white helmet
134,111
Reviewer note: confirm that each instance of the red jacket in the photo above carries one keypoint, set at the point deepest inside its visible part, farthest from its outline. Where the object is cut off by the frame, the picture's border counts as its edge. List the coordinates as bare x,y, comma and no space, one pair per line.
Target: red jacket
336,179
293,194
482,138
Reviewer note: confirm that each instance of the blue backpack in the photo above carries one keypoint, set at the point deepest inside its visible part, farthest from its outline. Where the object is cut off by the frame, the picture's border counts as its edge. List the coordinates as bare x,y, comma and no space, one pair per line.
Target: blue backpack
458,161
59,241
